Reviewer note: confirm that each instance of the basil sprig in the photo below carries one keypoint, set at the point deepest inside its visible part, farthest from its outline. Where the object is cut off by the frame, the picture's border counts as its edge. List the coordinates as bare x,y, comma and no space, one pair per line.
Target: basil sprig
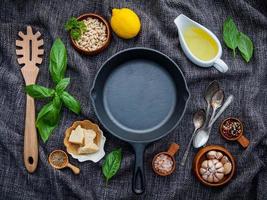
235,39
49,115
112,164
75,27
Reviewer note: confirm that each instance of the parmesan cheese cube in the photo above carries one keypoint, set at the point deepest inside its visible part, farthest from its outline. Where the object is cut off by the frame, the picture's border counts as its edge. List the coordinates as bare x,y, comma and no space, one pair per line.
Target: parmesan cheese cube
91,148
89,145
77,136
89,134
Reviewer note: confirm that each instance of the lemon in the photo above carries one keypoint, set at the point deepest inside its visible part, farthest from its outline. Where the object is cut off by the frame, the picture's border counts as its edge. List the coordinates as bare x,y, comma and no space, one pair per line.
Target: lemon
125,23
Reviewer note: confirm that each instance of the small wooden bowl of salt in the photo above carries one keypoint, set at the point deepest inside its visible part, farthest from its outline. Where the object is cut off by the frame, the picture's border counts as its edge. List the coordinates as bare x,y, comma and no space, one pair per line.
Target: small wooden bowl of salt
97,36
164,163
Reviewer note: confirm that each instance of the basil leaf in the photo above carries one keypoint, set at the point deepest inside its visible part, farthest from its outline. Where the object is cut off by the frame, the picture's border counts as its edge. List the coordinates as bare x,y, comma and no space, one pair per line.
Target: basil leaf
70,102
58,61
62,85
48,118
45,129
39,92
112,164
53,116
245,46
230,34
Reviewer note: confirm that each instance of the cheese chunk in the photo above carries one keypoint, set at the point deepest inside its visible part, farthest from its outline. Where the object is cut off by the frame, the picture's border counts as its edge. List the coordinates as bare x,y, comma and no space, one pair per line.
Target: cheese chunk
89,145
77,136
89,135
91,148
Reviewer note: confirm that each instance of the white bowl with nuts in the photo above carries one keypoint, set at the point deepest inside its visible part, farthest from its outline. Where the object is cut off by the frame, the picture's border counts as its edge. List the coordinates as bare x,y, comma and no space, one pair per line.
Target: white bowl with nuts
214,165
97,36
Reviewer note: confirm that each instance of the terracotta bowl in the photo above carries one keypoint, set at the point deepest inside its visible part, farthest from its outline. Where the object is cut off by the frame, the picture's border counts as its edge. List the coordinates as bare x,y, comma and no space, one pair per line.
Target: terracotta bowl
86,124
201,156
243,141
108,31
170,153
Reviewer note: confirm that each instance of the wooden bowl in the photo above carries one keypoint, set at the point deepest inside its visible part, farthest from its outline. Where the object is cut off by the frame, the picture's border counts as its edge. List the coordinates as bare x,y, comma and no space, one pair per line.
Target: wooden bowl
170,153
201,156
243,141
86,124
108,32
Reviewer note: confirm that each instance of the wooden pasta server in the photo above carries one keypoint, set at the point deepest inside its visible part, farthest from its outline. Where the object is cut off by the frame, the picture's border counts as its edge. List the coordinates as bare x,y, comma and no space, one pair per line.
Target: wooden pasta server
29,52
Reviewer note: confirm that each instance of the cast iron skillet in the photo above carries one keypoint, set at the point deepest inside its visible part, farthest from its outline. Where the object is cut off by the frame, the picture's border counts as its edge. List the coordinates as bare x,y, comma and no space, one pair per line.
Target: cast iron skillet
139,95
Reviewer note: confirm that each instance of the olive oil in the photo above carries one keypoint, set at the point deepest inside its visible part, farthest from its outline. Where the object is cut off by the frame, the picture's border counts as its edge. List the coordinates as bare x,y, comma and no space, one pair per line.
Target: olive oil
200,43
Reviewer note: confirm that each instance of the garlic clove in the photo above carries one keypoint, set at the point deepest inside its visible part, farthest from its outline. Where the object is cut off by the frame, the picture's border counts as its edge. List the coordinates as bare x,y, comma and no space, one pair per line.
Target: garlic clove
221,170
227,168
224,160
216,180
219,175
202,170
204,164
219,155
215,161
210,164
218,165
211,154
210,178
205,177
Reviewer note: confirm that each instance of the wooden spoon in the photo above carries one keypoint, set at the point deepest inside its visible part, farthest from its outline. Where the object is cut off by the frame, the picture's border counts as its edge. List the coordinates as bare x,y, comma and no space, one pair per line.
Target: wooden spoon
59,160
28,53
170,153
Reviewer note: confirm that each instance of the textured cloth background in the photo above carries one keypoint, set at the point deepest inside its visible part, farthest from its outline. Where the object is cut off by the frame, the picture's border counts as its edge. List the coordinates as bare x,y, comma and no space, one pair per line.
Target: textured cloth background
247,82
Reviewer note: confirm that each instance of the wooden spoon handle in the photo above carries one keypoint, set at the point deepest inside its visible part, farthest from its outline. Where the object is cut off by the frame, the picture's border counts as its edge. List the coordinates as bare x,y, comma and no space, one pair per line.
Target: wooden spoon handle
30,137
75,169
173,149
243,141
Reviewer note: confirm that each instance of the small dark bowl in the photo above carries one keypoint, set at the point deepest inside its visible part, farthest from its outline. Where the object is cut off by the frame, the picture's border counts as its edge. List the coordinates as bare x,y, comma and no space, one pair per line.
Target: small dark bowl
243,141
201,156
108,32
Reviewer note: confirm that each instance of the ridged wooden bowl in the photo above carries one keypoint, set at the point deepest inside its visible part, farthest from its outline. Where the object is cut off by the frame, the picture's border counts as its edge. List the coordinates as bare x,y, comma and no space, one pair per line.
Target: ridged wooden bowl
201,156
86,124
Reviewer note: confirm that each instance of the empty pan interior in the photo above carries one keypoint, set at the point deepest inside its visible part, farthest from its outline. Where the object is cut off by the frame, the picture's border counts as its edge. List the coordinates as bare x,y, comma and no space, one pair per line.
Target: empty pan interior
139,95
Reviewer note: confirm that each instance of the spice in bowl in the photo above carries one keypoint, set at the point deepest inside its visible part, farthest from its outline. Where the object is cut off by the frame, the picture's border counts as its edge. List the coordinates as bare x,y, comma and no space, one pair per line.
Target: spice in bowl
231,128
89,33
58,158
95,35
163,163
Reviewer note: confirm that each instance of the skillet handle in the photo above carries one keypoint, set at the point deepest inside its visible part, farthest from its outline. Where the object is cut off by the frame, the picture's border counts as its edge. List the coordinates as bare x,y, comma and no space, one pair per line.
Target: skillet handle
138,183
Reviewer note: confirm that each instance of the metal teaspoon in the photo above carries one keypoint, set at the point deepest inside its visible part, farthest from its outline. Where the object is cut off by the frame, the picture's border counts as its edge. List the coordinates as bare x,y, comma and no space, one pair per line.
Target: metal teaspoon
198,120
202,135
211,90
216,102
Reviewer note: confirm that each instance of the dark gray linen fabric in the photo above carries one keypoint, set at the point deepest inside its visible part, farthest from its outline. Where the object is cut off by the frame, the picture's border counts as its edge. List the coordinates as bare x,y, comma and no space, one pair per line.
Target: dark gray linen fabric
246,81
